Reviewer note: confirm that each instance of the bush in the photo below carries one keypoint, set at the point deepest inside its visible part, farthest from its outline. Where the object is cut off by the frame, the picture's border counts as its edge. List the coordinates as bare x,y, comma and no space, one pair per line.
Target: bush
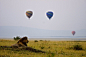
41,40
35,41
16,38
77,47
42,47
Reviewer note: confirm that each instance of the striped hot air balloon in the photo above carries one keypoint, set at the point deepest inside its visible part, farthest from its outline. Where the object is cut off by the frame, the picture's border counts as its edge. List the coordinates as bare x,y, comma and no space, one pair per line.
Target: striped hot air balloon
49,14
29,14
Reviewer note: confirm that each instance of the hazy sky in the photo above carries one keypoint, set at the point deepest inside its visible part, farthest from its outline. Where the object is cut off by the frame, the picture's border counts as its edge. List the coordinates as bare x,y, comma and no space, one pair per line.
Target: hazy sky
68,14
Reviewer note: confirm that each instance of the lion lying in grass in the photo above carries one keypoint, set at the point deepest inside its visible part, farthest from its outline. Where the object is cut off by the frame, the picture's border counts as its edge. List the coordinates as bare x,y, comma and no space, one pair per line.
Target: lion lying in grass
21,43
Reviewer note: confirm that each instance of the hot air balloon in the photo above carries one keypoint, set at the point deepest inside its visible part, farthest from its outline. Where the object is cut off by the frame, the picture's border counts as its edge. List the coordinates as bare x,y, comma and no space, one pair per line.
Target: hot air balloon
73,32
49,14
29,14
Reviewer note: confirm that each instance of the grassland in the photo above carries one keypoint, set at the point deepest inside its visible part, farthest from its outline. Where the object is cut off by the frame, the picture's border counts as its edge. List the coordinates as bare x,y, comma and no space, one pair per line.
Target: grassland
54,49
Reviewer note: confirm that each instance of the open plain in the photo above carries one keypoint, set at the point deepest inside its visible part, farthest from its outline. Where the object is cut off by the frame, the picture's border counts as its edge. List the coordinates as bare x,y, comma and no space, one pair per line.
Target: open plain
52,49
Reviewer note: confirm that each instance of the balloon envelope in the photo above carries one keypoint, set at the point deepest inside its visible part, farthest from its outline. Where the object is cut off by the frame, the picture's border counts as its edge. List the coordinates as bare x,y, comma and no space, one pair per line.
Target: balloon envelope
49,14
73,32
29,13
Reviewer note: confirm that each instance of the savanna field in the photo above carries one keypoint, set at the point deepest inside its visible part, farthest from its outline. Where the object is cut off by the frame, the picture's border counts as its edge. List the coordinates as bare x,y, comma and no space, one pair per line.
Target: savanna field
53,49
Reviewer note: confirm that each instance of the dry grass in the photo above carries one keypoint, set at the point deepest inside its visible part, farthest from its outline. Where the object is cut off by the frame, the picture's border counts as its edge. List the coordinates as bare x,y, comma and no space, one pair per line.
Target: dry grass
57,48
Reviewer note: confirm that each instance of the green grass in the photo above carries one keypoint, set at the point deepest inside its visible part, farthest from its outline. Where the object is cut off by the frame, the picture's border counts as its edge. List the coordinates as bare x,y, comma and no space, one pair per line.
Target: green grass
54,49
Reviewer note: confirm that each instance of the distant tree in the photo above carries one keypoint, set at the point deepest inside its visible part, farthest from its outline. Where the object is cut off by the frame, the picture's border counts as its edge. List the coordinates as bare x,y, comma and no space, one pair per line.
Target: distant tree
16,38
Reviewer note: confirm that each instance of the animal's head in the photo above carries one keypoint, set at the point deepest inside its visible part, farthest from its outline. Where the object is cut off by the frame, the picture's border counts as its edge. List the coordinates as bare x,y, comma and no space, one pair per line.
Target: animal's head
23,40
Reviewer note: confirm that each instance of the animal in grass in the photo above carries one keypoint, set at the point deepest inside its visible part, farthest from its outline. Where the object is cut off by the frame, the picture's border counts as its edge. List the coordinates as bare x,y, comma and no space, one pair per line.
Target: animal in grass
21,43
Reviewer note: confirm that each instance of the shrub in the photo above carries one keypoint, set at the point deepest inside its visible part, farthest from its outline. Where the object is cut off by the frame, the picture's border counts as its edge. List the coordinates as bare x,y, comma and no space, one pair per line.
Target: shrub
35,41
77,47
42,47
41,40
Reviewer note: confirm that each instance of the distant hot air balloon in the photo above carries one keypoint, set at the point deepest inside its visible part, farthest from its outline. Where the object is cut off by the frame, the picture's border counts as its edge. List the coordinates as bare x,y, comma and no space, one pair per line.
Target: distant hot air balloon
73,32
49,14
29,14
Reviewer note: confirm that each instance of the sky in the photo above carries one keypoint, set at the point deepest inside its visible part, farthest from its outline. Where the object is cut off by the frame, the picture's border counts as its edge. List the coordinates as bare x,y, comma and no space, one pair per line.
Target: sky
68,14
